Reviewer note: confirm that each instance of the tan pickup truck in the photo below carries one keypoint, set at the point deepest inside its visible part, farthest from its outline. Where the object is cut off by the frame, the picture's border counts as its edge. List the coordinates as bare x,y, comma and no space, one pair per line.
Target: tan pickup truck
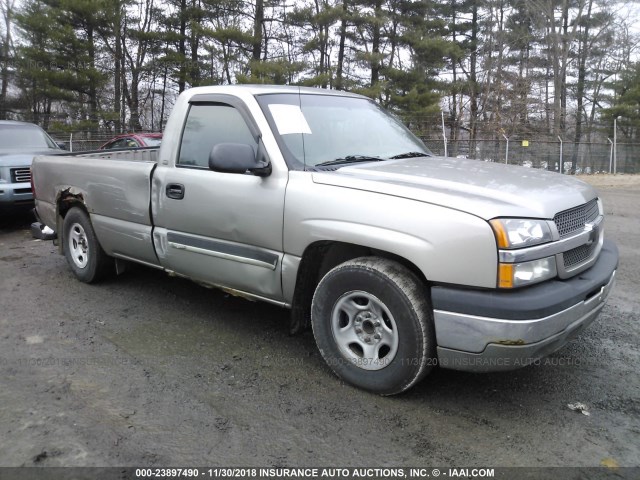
321,202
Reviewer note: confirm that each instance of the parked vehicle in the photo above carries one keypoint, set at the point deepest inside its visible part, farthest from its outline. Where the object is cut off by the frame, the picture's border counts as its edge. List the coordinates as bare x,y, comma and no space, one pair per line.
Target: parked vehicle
321,202
19,142
134,140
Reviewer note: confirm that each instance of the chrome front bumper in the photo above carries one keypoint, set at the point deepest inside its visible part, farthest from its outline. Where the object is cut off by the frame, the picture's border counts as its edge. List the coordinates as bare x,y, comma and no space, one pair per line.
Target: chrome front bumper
485,343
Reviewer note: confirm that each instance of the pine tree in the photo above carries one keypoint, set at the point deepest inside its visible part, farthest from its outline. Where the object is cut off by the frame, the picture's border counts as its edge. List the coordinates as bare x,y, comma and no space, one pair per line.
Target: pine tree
315,21
60,59
37,73
626,107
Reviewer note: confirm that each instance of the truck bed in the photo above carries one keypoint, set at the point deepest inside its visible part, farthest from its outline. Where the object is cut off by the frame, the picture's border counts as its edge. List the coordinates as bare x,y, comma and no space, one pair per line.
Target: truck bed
148,154
114,185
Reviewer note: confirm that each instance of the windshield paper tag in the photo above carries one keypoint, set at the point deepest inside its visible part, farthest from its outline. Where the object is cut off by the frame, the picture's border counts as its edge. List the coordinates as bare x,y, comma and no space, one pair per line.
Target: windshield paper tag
289,119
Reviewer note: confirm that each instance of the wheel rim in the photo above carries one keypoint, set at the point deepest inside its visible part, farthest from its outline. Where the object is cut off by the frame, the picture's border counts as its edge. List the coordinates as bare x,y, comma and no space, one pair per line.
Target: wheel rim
364,330
78,245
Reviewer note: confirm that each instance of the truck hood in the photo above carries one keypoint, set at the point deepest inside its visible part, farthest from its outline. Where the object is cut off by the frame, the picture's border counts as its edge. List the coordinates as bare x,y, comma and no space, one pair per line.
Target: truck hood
485,189
21,158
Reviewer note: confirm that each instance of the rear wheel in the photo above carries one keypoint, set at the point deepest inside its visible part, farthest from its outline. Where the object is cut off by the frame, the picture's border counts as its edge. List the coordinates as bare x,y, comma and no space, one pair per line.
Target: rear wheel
84,254
373,325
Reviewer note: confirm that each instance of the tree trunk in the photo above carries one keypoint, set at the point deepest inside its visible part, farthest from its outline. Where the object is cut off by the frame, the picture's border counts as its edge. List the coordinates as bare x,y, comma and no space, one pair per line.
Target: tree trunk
453,133
343,35
559,52
123,86
563,77
547,113
580,87
117,80
473,80
555,54
134,102
47,113
375,44
93,93
34,102
257,31
182,48
499,67
164,93
8,10
322,44
195,43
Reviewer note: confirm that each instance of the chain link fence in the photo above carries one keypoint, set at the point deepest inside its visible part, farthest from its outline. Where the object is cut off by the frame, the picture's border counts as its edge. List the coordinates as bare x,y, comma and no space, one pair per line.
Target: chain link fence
584,158
606,146
589,158
85,140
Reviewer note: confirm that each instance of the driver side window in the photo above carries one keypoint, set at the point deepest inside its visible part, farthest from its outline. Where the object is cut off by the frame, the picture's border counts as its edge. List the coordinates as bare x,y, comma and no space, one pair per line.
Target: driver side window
121,143
208,125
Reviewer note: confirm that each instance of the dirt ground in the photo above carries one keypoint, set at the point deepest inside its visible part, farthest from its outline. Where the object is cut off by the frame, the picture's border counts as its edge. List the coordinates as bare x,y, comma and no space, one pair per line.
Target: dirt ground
149,370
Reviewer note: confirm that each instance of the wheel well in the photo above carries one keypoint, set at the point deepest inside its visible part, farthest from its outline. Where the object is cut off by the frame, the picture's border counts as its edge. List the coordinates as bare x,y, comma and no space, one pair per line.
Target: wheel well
320,257
66,201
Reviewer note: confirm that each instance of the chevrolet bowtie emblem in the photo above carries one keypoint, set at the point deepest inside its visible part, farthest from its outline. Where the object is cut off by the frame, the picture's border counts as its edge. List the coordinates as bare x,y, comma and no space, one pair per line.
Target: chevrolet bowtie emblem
593,233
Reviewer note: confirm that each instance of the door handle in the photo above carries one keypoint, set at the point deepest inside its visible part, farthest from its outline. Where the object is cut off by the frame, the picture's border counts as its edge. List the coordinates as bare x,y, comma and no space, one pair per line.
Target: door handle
175,191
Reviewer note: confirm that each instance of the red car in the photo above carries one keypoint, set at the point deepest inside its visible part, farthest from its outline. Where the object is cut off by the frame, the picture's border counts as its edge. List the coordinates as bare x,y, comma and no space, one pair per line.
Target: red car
134,140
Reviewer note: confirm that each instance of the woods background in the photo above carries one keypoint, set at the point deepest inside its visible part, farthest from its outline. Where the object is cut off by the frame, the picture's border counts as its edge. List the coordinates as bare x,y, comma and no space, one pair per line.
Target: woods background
475,76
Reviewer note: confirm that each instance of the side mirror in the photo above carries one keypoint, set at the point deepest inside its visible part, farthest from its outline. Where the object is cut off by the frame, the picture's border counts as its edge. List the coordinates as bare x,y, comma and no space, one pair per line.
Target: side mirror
237,158
62,145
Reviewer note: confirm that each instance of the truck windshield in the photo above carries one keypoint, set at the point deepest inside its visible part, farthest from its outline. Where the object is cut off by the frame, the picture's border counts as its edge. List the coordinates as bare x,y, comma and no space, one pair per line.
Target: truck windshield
24,137
323,130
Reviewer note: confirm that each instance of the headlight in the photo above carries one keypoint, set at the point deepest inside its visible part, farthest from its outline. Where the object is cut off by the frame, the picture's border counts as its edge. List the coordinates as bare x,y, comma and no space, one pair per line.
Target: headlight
520,232
512,275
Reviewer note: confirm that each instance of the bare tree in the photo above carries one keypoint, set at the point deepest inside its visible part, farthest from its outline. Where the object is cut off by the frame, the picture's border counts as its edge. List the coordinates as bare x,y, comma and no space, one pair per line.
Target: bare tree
562,32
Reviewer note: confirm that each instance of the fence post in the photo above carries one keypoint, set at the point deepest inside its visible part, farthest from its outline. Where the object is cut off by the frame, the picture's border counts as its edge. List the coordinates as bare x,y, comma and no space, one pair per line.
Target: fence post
506,156
71,142
610,154
444,135
615,146
561,160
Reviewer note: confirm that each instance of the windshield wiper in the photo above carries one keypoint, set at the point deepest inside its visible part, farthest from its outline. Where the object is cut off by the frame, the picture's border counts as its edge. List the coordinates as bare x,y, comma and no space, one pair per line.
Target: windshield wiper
350,159
410,155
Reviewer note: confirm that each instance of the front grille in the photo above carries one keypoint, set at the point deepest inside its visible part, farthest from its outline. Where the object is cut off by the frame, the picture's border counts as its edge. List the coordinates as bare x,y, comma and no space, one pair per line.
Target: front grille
574,219
579,254
19,175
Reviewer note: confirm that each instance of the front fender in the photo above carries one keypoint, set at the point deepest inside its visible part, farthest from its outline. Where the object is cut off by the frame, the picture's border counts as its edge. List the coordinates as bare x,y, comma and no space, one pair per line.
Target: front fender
447,245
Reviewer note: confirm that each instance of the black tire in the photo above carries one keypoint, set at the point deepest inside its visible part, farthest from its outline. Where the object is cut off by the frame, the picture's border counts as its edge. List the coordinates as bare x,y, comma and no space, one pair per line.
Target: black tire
84,254
379,305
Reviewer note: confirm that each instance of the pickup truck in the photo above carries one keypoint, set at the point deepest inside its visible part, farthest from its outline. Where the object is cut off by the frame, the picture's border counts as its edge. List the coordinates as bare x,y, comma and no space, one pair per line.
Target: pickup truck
19,142
321,202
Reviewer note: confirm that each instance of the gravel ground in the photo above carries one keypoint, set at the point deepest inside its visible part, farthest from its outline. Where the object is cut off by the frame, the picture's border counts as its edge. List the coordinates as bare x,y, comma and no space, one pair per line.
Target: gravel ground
149,370
606,180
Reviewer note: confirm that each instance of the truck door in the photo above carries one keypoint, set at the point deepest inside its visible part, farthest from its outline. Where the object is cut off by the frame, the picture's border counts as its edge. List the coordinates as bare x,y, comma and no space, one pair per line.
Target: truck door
220,228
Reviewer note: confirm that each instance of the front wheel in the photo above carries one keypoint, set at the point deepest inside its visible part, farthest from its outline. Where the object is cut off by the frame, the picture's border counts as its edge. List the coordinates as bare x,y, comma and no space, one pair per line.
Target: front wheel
84,254
373,325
